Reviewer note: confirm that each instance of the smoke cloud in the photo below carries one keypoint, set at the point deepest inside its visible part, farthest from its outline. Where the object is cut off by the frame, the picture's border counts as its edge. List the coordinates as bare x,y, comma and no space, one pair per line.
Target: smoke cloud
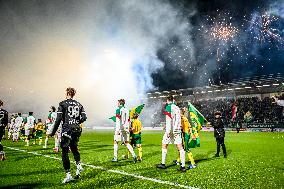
105,49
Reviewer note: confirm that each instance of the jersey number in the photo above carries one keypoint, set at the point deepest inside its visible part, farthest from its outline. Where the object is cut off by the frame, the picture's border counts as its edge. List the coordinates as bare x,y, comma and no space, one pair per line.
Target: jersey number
1,117
73,111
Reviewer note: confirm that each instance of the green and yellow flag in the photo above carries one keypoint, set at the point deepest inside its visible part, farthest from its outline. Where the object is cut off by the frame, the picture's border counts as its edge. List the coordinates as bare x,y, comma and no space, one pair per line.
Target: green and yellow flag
196,116
198,121
137,110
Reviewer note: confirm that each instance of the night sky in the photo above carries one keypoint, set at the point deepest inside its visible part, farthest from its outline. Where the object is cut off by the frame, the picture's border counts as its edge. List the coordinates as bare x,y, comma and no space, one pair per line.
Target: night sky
112,49
246,54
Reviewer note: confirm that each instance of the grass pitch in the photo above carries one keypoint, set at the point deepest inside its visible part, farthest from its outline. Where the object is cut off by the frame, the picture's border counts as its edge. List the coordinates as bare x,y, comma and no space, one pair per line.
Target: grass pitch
255,160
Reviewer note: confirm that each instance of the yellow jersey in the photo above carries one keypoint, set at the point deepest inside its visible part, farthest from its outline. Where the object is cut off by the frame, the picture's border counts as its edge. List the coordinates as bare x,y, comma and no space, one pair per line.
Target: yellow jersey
39,126
185,126
136,126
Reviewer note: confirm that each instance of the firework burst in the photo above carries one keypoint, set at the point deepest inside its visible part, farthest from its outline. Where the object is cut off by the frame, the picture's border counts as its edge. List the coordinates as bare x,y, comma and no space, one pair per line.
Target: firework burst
262,27
221,34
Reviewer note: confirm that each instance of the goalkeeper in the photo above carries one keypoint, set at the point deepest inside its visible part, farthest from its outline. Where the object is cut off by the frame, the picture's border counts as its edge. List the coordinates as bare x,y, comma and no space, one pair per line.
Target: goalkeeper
72,113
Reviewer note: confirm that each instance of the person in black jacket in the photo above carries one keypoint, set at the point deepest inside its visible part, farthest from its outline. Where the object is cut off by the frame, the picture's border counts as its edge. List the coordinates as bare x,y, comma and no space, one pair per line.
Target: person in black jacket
219,133
3,124
71,113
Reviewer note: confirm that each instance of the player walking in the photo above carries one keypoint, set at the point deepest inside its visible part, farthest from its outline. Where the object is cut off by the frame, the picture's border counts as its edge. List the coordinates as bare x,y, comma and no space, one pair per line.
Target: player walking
39,131
122,130
18,124
11,127
57,138
49,124
187,134
72,114
3,124
136,127
30,124
173,133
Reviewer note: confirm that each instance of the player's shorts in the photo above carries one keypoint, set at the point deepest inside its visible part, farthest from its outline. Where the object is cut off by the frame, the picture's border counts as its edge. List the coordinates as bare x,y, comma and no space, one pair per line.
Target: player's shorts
136,139
1,132
122,136
39,134
185,141
172,139
27,132
69,139
49,129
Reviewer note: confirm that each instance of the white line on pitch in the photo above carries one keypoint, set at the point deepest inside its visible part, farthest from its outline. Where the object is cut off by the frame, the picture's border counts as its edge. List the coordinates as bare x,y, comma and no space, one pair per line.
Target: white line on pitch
110,170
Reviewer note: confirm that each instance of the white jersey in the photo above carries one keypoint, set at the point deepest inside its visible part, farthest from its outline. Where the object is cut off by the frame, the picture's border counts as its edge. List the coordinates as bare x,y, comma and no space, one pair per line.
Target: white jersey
18,122
122,120
53,117
12,124
30,122
50,122
173,121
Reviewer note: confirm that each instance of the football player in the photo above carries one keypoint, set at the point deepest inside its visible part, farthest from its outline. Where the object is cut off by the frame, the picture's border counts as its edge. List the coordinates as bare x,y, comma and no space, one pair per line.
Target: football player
136,127
122,130
18,125
173,133
72,114
3,124
39,131
29,126
11,127
186,136
49,124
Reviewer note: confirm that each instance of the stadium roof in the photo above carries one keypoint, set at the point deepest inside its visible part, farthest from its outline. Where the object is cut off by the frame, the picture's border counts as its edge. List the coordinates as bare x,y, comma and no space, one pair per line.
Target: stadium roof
271,83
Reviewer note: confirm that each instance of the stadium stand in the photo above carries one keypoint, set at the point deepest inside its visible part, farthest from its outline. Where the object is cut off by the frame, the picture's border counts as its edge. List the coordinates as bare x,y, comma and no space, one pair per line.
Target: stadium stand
252,97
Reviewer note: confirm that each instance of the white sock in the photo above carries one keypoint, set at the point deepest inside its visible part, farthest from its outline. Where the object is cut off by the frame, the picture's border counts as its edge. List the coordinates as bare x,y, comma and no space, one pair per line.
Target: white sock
58,142
55,143
68,174
129,147
164,155
115,150
182,157
28,142
45,142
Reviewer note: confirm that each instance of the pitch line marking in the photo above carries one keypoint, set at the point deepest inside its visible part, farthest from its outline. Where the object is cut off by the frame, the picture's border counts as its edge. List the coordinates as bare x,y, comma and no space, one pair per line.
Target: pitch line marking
109,170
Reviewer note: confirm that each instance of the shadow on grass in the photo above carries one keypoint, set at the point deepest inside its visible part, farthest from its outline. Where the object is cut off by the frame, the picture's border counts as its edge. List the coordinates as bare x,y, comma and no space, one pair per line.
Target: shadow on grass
109,182
199,158
124,162
20,157
209,156
19,174
22,186
97,147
